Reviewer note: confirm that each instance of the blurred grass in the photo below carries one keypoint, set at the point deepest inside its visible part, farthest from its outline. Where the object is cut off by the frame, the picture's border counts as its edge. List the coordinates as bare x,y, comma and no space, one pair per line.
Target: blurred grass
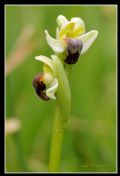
90,140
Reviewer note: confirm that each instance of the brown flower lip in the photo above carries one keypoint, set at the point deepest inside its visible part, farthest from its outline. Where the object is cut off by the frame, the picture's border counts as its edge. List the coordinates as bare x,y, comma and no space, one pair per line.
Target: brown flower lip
39,86
74,48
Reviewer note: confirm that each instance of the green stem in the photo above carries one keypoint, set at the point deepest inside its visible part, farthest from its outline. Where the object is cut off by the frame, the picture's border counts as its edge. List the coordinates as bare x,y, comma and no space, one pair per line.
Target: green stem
62,114
56,143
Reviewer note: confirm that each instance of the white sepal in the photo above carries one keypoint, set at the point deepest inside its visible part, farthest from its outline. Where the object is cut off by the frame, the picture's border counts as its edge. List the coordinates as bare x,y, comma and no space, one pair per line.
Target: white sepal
88,39
56,45
57,33
45,60
61,20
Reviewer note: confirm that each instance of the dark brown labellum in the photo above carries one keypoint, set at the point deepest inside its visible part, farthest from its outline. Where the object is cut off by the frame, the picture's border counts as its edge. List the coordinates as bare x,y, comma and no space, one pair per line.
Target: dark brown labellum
74,48
39,86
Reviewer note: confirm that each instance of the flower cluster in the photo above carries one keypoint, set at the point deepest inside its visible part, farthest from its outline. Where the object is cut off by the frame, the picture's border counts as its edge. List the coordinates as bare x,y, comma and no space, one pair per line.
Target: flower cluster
71,41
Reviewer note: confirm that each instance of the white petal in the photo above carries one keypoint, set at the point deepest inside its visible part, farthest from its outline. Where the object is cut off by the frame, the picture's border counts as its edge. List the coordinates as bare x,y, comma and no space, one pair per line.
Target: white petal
56,45
50,92
45,60
88,39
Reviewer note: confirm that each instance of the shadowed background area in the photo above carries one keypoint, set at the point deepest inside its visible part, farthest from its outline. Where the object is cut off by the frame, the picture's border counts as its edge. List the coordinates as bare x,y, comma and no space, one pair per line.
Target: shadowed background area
90,140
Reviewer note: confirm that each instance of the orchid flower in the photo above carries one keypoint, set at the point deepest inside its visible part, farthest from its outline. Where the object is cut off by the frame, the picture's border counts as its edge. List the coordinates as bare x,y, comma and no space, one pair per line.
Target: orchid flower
72,32
46,83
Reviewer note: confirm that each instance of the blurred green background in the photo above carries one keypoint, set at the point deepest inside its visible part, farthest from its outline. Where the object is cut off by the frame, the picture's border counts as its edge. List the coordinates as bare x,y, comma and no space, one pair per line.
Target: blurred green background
90,140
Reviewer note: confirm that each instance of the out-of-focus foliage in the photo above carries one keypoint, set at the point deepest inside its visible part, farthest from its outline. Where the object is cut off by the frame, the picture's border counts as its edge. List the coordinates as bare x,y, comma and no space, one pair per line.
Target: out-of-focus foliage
90,141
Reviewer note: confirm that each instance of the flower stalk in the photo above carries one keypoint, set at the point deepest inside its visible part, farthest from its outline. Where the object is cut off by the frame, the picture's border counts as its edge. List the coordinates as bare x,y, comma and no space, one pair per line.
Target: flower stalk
56,142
